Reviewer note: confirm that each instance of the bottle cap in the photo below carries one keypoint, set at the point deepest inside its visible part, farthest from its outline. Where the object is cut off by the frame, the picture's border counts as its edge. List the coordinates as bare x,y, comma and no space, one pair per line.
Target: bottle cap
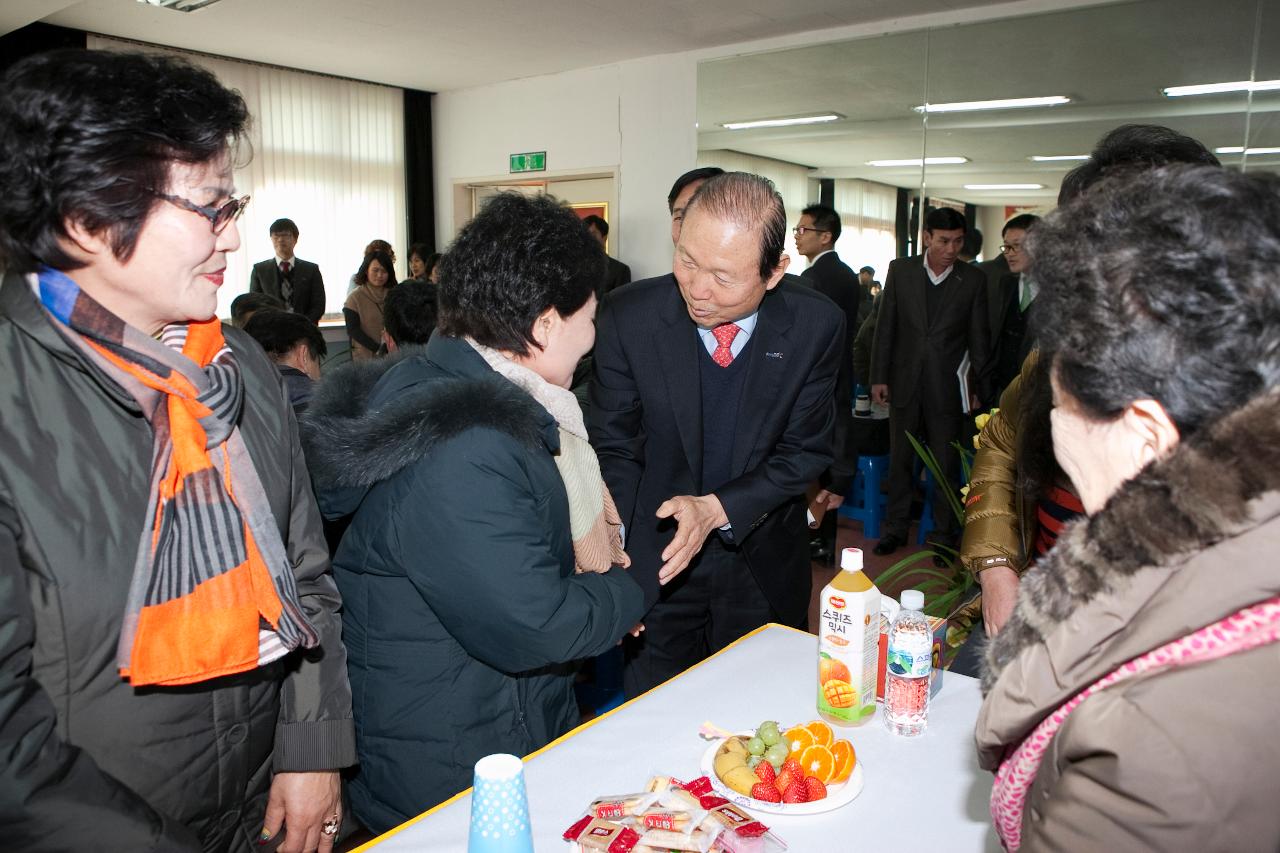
851,559
912,599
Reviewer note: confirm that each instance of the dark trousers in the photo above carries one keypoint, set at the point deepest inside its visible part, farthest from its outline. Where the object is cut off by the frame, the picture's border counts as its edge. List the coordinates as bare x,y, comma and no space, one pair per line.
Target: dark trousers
934,430
709,605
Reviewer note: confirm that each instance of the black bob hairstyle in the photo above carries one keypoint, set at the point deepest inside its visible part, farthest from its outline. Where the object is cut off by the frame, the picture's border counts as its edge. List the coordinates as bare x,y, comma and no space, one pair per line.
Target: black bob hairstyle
1107,265
90,136
384,260
409,314
278,332
517,258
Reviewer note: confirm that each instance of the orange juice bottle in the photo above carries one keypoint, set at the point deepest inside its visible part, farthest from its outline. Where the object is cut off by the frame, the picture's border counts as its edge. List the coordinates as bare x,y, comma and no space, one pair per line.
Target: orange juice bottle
848,644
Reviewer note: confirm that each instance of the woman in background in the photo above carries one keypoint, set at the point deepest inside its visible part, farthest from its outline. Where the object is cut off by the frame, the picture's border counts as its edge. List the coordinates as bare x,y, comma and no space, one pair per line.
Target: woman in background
172,675
364,308
1131,695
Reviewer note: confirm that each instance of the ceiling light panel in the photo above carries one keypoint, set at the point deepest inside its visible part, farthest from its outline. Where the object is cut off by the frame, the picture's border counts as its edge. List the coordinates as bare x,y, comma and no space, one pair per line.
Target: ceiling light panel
1252,152
1001,104
1056,158
1004,186
1222,88
927,161
782,122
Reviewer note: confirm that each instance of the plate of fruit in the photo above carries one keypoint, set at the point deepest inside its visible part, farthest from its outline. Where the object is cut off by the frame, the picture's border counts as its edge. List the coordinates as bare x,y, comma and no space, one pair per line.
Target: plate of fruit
801,770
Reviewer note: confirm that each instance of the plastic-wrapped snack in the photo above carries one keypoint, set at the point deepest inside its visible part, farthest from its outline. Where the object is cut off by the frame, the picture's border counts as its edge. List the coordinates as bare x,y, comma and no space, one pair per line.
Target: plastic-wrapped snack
592,833
622,806
698,841
743,833
658,784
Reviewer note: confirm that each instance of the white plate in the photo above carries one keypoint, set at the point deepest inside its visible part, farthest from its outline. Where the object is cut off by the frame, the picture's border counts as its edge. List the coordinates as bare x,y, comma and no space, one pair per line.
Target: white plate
837,795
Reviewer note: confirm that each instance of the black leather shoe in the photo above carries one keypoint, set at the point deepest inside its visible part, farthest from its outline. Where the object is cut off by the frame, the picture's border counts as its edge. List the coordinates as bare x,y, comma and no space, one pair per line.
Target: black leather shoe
820,551
888,544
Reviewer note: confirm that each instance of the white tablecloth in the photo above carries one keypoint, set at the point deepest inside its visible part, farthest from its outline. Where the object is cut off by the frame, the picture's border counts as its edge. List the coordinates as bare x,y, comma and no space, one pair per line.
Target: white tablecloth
921,794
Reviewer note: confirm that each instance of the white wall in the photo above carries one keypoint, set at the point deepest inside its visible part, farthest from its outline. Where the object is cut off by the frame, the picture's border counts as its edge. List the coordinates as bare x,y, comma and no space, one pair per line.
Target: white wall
635,118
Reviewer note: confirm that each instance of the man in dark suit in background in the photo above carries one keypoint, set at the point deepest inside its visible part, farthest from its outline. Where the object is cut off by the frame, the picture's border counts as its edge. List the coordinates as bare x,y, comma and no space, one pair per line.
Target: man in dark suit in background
711,412
1009,304
816,234
617,273
933,311
296,282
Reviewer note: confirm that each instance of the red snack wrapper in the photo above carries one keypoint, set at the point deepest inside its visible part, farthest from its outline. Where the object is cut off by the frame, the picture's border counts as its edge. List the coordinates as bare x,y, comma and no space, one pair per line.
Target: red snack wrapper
596,834
699,787
735,818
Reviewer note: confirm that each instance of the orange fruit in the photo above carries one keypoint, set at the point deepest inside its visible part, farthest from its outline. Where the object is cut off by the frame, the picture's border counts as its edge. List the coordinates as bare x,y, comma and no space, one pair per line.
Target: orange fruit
829,668
844,757
821,732
798,739
818,761
839,694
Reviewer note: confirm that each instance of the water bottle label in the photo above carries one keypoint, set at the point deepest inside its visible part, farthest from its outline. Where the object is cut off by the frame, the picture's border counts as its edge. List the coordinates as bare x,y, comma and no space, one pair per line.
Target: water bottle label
911,656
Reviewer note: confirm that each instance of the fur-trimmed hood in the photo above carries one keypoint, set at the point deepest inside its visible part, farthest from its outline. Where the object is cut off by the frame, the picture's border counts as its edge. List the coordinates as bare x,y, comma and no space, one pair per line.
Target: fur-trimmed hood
369,420
1188,541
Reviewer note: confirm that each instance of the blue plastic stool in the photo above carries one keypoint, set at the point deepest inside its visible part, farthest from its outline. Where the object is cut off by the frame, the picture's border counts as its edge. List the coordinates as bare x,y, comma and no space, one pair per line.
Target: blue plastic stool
865,501
926,513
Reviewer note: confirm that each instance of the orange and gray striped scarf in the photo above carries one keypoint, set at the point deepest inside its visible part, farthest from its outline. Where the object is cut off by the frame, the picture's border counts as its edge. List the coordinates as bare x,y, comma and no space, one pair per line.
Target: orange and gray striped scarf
213,592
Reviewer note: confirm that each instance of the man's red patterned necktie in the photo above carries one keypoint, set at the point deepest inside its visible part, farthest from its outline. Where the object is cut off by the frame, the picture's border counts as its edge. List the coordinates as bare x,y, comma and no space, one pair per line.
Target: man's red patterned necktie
725,334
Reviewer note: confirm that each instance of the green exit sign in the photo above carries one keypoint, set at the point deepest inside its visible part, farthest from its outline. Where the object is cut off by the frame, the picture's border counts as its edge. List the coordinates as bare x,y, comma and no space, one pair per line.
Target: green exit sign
532,161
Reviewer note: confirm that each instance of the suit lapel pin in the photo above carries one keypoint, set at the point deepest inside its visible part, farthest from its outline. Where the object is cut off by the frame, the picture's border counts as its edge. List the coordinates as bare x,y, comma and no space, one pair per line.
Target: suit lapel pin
773,355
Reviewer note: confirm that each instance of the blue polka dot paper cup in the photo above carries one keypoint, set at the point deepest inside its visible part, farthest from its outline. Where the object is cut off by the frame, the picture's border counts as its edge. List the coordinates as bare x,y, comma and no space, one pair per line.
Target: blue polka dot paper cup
500,807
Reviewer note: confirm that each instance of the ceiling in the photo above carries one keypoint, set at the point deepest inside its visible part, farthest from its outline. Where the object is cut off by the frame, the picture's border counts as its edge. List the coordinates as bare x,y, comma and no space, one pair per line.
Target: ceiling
1111,60
437,46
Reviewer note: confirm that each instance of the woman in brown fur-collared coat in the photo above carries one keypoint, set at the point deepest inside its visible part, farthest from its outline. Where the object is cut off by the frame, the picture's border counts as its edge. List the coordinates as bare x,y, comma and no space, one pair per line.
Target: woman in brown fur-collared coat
1167,418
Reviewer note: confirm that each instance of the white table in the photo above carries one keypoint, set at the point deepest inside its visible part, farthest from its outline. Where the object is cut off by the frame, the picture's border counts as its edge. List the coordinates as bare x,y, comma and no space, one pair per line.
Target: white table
768,674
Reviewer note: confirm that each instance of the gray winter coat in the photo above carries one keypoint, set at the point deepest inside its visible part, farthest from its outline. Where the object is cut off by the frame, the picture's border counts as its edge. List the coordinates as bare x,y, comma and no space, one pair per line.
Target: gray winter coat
86,761
1182,759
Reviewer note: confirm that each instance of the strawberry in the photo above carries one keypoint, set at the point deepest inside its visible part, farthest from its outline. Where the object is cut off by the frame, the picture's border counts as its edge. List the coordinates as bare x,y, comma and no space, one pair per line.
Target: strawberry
795,793
764,772
785,778
794,766
765,791
814,788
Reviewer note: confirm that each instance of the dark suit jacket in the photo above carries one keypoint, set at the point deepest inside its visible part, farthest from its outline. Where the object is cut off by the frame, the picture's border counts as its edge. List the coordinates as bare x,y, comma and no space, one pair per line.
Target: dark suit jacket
615,276
308,286
918,355
646,425
995,270
833,278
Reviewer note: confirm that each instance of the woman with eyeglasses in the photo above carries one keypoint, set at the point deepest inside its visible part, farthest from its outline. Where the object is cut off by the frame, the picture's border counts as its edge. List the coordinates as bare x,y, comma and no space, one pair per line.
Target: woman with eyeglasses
171,670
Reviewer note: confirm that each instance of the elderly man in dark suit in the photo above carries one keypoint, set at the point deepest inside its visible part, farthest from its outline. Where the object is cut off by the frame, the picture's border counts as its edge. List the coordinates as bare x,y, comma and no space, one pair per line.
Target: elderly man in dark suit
932,312
711,413
296,282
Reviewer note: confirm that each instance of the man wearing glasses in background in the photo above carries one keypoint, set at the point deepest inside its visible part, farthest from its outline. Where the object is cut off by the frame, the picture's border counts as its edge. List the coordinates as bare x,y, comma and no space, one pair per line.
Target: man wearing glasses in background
1009,304
295,281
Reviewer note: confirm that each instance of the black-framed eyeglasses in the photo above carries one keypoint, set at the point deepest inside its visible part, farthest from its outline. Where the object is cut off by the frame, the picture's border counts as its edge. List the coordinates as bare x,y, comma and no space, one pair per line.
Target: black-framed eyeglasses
1009,248
800,229
219,217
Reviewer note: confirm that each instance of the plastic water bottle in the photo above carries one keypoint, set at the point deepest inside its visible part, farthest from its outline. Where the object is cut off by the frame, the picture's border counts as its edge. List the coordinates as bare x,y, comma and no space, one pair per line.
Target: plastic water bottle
907,665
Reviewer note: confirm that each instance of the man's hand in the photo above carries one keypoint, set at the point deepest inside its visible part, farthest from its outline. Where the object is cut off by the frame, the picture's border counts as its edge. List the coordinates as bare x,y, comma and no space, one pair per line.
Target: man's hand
830,499
999,593
302,802
695,518
880,395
